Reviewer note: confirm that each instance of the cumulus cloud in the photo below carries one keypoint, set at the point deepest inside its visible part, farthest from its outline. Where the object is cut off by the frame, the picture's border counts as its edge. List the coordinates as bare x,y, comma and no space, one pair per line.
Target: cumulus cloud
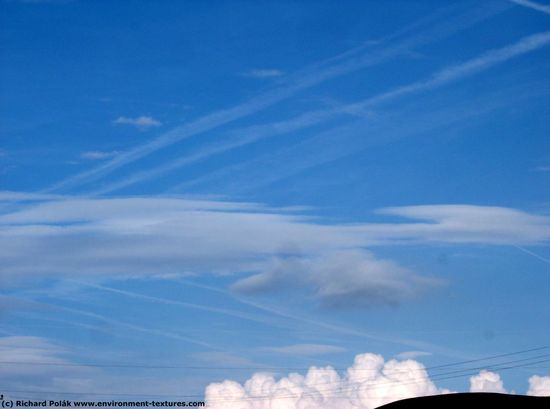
370,382
97,155
539,386
487,381
140,122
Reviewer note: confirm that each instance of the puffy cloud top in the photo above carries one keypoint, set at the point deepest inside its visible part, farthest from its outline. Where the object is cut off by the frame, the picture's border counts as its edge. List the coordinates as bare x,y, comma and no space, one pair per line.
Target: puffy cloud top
539,385
487,381
369,383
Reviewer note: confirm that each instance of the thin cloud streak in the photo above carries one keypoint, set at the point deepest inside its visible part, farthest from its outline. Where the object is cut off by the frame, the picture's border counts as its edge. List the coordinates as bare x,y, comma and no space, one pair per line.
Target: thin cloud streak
207,308
333,328
133,327
351,139
90,236
533,5
541,258
440,78
295,84
251,134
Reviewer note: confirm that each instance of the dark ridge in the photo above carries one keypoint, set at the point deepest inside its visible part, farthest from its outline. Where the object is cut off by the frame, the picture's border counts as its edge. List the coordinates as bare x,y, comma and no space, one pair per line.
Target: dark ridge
471,401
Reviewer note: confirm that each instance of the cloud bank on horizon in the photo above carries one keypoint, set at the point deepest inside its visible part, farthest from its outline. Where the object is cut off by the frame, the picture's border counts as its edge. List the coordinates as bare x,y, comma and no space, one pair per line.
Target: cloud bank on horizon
370,382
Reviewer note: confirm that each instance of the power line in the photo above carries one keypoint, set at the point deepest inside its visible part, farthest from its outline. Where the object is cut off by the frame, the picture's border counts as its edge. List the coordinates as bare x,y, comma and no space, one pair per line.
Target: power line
441,376
341,391
275,368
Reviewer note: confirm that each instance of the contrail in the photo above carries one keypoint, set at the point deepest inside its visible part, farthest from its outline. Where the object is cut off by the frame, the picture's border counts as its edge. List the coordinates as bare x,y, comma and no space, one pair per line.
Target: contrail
231,313
251,134
531,4
438,79
296,84
294,160
111,321
150,331
533,254
337,328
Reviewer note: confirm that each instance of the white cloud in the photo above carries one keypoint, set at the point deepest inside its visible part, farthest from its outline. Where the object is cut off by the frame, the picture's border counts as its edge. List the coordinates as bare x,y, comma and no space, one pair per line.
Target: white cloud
37,364
139,236
280,250
543,169
23,353
539,385
487,381
305,349
140,122
97,155
11,196
463,224
264,73
341,278
369,383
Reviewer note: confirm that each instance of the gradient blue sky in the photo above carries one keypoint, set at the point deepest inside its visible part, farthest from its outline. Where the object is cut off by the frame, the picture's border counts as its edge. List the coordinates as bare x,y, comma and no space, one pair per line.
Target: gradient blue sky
222,184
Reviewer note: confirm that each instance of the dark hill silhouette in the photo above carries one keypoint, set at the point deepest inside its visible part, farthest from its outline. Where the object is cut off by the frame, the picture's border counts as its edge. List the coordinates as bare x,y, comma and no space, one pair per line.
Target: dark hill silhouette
471,401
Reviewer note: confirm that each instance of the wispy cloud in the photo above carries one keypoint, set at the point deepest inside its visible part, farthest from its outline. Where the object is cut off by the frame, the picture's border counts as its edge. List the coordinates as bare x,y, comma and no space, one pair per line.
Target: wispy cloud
232,139
224,359
334,67
531,253
161,300
533,5
264,73
409,121
35,366
97,155
440,78
336,328
11,196
305,349
412,354
140,122
137,328
278,250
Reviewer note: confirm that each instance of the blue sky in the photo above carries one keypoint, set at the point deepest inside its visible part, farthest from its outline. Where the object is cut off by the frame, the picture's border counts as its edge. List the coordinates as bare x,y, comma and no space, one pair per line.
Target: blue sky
237,187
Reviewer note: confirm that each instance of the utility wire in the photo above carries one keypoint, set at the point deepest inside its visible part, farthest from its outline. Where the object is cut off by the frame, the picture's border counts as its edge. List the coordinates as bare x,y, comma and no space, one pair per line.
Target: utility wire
441,376
275,368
